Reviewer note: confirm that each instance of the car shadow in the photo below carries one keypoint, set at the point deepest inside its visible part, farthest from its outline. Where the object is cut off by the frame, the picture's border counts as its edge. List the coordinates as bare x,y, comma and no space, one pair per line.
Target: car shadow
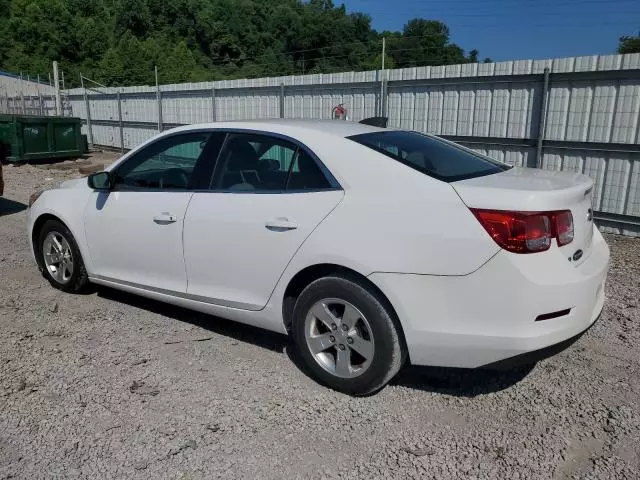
458,382
8,207
237,331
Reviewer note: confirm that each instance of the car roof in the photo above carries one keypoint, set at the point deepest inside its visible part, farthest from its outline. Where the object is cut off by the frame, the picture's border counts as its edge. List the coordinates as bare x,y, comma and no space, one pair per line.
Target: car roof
339,128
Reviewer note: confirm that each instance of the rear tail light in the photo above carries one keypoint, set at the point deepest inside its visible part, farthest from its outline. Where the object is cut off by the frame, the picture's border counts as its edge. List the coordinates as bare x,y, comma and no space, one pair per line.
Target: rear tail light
563,223
526,232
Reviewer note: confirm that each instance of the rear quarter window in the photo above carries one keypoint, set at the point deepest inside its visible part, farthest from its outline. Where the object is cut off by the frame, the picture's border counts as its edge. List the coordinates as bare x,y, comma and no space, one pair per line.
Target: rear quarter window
430,155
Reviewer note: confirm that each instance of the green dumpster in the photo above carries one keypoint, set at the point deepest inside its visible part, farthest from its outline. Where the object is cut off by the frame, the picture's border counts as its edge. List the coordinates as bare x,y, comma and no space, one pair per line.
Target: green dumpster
41,138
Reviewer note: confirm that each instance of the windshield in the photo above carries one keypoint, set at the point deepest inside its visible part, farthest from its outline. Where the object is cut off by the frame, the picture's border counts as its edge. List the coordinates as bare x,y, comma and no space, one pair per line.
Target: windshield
433,156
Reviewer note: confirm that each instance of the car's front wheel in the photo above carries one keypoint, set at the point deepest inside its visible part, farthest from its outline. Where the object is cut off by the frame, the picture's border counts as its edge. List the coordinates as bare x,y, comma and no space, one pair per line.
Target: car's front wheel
60,260
346,335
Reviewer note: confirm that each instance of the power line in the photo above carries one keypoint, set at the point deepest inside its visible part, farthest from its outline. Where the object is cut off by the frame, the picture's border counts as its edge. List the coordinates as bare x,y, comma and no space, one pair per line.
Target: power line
337,45
506,4
432,15
291,67
513,2
545,24
405,37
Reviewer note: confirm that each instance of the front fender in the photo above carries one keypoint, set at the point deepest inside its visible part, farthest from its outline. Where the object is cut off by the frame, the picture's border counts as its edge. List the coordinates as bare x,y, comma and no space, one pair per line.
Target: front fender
67,206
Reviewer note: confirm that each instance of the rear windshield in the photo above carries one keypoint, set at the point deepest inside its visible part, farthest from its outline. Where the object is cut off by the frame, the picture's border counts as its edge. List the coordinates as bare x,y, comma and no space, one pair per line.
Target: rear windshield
437,158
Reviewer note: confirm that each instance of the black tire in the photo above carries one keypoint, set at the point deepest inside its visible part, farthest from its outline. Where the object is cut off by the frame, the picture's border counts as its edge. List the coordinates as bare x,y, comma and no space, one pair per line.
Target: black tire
79,278
389,352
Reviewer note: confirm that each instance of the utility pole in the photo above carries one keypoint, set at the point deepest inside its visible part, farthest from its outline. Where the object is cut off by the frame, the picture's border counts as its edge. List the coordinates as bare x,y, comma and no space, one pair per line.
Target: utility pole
56,85
384,50
88,111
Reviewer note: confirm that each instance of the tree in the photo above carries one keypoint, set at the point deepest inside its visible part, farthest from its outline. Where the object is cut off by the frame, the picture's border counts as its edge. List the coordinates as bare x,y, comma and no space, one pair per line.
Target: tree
118,42
422,42
629,44
132,16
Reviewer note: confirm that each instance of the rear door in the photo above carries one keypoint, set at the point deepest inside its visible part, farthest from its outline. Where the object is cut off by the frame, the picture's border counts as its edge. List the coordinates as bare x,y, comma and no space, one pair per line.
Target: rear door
267,195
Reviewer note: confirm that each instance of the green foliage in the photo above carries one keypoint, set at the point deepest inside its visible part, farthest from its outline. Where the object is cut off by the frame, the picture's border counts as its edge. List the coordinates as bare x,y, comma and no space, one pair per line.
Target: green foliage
118,42
629,44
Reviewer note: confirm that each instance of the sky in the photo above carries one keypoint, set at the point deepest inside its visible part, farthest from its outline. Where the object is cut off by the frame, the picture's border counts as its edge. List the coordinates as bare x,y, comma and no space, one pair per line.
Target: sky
516,29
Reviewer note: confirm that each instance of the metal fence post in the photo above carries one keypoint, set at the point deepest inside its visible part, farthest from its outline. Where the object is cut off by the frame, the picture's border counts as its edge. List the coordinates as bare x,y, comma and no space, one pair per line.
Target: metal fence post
87,108
213,104
282,100
543,118
385,96
160,121
159,100
40,97
120,123
22,94
382,85
29,103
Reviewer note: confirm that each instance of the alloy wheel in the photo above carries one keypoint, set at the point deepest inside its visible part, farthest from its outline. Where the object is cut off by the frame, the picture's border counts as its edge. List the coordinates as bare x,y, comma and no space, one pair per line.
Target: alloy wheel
339,337
58,257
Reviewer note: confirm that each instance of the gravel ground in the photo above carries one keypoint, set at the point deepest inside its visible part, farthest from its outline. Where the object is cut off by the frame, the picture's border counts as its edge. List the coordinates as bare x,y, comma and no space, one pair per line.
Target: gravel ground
108,385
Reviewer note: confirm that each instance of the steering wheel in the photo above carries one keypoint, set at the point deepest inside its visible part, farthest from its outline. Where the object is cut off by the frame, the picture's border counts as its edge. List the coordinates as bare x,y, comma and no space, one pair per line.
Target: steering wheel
174,178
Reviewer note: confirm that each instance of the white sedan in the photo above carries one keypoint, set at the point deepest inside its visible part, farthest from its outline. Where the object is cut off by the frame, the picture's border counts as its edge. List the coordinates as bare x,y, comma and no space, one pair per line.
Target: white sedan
368,246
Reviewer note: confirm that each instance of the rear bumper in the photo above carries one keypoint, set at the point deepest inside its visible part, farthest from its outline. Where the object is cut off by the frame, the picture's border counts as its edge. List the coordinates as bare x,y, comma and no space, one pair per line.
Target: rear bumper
534,356
490,315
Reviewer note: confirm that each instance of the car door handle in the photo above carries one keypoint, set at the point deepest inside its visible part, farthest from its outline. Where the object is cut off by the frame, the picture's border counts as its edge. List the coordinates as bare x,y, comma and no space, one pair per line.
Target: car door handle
165,219
280,225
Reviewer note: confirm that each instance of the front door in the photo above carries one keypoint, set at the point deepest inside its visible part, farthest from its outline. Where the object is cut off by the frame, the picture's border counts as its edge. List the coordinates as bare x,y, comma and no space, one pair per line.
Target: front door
268,195
134,232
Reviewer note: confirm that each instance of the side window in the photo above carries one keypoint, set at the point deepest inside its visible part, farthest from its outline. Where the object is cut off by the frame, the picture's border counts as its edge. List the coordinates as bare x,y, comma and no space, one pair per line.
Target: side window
306,174
168,164
251,162
279,158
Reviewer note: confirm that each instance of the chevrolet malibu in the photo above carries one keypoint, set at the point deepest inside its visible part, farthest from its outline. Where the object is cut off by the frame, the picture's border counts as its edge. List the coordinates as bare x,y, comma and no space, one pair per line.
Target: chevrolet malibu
368,246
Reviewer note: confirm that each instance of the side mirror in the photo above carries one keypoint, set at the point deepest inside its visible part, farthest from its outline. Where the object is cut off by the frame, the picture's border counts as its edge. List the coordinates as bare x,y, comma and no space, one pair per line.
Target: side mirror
99,181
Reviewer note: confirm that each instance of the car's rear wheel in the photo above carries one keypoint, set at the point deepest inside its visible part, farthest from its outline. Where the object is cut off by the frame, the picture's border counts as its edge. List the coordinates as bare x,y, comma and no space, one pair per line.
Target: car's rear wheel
59,258
346,335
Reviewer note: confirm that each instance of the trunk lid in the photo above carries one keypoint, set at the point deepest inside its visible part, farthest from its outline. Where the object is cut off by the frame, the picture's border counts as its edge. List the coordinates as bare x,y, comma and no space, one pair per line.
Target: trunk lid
534,190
